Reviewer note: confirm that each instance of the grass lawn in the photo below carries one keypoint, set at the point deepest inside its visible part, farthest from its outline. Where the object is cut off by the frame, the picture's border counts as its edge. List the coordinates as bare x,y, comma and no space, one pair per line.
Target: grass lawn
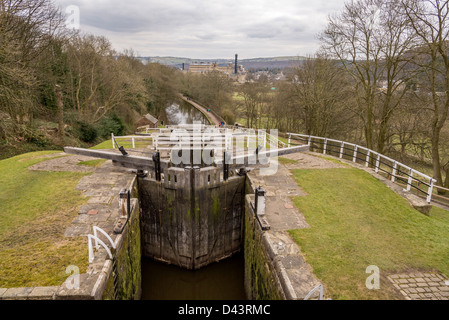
356,221
35,209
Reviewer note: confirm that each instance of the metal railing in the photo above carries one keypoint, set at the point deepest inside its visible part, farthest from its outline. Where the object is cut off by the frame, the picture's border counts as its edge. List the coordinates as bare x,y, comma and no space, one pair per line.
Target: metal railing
395,170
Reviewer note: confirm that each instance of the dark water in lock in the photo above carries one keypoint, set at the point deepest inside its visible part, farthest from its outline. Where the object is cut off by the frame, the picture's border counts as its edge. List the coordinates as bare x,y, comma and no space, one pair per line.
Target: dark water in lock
218,281
184,113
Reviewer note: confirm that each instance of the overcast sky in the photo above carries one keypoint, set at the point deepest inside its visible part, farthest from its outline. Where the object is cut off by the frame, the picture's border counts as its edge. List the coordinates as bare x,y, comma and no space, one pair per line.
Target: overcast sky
208,28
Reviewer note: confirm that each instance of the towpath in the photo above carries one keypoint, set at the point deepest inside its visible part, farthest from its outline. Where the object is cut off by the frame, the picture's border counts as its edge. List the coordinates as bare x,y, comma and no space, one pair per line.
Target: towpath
203,110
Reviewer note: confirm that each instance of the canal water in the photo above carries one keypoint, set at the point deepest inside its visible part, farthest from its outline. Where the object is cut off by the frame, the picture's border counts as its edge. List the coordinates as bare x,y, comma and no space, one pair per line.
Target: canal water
184,113
219,281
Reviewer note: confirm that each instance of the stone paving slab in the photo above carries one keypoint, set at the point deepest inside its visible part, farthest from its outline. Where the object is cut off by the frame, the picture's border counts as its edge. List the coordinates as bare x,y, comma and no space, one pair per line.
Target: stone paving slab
280,190
64,163
43,293
421,285
295,275
310,160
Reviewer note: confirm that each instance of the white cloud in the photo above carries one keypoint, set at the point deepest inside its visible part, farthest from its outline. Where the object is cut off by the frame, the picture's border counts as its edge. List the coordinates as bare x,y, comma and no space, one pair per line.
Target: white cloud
208,29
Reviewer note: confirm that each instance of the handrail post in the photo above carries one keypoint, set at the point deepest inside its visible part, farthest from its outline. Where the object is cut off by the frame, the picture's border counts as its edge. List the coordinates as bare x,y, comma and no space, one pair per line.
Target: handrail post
395,170
134,145
325,146
430,191
410,180
378,163
342,149
367,158
289,139
112,137
355,153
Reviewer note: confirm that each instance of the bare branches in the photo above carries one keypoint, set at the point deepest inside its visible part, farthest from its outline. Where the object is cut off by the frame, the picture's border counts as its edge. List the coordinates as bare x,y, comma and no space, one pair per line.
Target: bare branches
373,44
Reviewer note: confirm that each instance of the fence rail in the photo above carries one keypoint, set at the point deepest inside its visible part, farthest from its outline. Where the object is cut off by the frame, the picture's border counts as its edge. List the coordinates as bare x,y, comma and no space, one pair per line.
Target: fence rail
397,171
131,139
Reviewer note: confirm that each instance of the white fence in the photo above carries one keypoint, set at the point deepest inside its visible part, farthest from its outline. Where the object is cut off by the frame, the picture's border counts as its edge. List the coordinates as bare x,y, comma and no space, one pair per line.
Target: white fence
396,170
133,140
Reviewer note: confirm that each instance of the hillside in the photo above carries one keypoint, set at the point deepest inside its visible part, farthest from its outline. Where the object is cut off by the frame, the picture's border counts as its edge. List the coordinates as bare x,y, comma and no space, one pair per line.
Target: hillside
253,63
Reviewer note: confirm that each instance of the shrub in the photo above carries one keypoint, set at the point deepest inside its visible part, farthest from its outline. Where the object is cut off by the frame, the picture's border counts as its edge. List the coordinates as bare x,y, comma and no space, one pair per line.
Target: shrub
86,132
228,116
112,124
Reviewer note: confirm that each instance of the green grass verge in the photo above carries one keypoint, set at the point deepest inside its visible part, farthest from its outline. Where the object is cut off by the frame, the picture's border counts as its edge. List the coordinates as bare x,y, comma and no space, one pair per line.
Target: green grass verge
35,209
356,221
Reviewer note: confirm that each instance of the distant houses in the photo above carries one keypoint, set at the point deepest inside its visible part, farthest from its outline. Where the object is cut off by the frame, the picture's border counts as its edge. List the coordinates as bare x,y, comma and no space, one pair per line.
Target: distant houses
147,121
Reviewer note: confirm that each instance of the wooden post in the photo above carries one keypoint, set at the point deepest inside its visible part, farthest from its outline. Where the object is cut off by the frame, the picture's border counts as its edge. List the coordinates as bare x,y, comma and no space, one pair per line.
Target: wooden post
355,154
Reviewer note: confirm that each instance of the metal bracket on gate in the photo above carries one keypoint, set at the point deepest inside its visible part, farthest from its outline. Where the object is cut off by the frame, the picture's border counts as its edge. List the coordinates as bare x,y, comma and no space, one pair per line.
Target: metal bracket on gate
226,160
157,165
122,150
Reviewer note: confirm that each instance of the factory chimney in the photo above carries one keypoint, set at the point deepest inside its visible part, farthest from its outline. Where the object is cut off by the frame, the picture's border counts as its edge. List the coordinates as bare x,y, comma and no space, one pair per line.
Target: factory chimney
236,61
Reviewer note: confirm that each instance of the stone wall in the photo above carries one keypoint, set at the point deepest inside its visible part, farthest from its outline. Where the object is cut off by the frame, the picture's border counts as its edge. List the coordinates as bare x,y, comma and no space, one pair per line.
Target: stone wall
192,218
128,263
261,278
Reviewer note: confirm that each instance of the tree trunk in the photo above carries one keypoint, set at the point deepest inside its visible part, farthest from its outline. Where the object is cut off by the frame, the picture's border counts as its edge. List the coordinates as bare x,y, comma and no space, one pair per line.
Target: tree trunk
60,104
436,156
446,181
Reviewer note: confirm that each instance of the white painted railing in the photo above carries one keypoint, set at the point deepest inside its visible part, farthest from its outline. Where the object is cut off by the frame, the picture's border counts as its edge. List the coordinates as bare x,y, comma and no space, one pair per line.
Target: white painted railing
131,139
320,289
275,142
370,157
99,242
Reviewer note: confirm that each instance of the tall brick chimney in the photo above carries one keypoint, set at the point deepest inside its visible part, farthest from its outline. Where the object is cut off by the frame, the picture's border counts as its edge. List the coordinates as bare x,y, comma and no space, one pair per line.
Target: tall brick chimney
236,61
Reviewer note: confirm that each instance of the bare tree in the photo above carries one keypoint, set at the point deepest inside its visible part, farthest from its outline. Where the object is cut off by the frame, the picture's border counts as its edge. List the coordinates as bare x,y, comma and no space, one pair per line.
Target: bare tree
26,30
430,21
254,97
322,95
373,44
100,79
